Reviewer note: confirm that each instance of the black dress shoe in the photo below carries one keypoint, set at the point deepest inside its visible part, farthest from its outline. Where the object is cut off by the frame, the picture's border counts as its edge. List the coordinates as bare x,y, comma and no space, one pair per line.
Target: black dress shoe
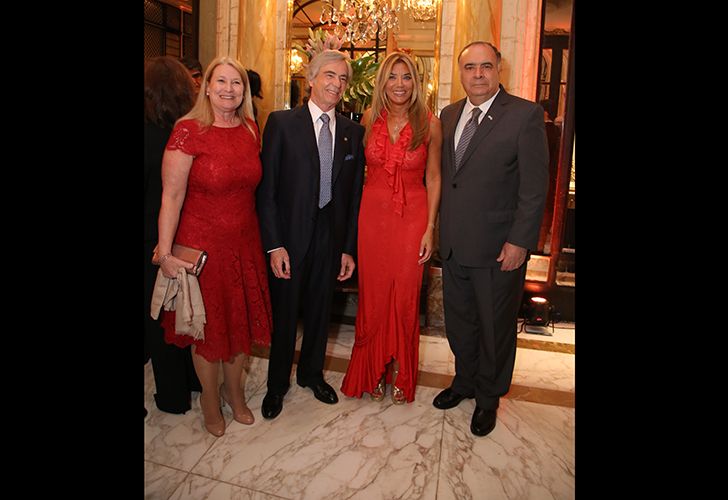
483,421
448,399
323,392
272,405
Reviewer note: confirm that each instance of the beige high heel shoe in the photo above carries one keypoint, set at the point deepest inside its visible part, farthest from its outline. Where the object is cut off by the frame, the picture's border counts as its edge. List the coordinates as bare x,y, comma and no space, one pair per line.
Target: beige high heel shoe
379,391
398,396
244,417
212,418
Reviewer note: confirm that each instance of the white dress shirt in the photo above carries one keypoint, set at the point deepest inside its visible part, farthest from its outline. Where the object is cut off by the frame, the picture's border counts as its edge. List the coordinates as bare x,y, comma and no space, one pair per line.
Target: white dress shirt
316,113
467,114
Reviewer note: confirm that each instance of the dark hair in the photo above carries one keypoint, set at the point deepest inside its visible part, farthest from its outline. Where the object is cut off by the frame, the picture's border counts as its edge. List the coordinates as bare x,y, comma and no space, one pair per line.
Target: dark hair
255,84
191,63
168,91
480,42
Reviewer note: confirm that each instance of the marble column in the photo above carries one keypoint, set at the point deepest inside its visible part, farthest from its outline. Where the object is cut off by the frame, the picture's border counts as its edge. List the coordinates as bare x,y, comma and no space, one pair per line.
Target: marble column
226,34
475,20
519,46
445,62
262,34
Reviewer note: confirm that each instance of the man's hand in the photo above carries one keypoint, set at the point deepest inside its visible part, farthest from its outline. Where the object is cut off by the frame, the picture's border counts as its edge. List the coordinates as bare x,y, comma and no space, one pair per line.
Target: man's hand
347,267
280,263
511,257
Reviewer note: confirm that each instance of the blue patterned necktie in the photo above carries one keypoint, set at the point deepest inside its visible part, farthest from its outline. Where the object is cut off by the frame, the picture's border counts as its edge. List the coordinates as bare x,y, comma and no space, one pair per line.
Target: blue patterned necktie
326,160
465,137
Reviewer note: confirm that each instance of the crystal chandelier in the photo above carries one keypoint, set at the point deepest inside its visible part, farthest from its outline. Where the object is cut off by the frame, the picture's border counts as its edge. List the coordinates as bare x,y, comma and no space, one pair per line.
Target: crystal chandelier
421,10
358,21
296,62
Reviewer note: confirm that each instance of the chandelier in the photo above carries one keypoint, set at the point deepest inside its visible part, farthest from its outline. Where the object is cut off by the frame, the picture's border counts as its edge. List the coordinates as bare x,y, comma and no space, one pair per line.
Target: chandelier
358,21
296,62
421,10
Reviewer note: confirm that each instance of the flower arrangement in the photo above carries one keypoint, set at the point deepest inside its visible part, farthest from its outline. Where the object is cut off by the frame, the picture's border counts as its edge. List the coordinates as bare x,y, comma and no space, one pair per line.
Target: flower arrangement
318,41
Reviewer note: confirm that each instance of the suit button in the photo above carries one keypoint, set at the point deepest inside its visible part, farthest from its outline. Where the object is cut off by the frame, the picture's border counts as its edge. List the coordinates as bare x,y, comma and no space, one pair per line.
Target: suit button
454,184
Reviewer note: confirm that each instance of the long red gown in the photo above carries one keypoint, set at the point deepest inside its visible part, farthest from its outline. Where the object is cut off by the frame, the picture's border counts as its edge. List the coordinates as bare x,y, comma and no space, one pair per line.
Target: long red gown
392,220
219,217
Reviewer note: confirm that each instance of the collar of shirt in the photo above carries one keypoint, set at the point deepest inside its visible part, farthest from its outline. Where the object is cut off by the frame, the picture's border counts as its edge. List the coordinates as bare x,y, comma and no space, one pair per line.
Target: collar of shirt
484,107
316,113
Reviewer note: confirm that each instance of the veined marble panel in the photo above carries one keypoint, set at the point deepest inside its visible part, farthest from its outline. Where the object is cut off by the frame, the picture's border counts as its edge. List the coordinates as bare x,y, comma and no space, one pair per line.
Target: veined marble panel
353,449
544,369
161,481
202,488
436,356
180,440
529,454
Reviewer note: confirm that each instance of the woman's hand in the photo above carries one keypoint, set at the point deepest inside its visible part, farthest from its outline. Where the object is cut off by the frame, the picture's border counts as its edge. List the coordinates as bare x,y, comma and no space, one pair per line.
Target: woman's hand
426,245
170,265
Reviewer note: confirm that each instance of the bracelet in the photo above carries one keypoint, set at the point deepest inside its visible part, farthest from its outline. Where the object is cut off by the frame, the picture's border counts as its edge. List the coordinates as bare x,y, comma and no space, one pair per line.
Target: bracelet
164,257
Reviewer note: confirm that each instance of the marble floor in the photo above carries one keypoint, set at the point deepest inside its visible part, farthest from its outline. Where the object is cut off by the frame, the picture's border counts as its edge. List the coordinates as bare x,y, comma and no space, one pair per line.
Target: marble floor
367,450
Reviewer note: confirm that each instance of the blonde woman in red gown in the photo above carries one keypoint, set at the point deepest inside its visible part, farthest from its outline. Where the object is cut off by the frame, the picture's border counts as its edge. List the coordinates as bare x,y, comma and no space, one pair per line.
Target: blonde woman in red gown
396,222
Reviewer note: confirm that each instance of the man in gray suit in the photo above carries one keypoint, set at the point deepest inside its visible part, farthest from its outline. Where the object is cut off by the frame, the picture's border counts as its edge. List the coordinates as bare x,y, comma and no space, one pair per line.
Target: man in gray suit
494,184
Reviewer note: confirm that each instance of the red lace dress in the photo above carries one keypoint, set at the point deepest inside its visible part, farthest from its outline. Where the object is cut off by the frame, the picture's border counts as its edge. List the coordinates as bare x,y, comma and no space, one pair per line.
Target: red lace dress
392,220
219,217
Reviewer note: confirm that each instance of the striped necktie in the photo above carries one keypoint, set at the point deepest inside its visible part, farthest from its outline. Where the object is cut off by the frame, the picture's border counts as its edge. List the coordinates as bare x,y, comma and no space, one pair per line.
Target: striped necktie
465,137
326,160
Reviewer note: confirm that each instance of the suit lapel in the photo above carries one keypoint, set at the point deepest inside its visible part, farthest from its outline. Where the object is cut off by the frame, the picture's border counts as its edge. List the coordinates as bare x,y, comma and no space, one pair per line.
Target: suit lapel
341,147
450,126
308,136
495,112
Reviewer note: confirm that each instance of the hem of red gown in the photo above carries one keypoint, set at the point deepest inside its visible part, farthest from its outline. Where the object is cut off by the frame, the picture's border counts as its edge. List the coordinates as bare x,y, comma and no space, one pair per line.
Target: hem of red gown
185,340
360,389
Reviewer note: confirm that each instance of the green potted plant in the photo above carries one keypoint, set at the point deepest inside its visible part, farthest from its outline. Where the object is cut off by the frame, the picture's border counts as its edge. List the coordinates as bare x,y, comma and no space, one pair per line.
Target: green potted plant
358,94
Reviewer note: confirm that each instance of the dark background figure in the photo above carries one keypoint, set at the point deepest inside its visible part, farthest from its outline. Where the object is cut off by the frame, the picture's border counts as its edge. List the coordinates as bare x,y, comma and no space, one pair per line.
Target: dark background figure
553,137
494,184
308,201
168,94
195,69
255,91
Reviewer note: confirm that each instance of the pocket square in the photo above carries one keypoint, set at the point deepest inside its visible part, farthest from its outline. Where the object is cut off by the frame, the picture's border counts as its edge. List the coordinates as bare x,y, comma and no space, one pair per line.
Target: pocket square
349,157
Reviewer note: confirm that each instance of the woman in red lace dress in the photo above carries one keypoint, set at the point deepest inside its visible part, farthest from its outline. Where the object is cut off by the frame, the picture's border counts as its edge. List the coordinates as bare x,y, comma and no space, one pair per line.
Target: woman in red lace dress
210,171
396,224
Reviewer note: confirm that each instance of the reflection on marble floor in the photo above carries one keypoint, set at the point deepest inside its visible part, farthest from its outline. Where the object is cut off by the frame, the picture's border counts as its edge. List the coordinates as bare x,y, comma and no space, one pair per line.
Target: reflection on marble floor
365,450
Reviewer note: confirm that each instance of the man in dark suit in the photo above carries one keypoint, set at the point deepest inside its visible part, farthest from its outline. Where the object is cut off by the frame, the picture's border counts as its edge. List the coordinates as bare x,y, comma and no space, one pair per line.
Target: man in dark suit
495,177
308,204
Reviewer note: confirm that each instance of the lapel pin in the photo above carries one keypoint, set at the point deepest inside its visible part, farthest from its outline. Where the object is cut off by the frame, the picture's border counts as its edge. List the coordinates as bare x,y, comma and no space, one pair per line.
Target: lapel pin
490,117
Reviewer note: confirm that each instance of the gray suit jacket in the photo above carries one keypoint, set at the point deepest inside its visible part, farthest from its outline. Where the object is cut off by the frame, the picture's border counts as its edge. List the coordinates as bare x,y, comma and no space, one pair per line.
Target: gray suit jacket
499,192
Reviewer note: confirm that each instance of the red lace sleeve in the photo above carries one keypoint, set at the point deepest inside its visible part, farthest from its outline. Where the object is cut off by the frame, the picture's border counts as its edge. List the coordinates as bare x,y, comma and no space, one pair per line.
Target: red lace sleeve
183,137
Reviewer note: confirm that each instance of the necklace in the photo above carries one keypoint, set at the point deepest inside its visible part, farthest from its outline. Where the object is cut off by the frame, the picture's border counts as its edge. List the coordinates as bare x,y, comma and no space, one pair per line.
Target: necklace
397,126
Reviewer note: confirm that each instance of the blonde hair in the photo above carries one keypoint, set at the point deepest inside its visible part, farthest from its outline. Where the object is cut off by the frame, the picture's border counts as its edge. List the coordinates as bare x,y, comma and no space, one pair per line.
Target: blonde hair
416,111
202,110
